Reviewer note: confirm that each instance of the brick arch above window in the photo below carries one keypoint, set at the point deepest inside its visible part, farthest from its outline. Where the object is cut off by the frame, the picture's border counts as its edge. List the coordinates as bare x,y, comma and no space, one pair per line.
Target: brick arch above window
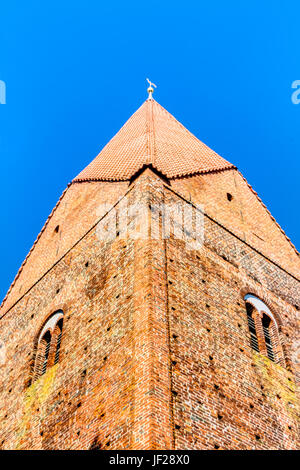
260,306
250,288
264,331
51,323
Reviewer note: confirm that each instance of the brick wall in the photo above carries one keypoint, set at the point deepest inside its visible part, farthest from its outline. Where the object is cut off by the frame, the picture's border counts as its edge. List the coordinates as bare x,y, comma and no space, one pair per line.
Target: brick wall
244,214
155,350
76,212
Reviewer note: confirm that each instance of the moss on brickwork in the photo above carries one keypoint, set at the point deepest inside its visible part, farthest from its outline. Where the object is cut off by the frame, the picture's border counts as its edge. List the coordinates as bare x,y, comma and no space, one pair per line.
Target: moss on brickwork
279,384
35,395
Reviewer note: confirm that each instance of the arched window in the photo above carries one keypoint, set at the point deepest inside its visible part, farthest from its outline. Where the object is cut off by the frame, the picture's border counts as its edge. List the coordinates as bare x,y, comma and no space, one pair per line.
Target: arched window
252,327
264,336
48,344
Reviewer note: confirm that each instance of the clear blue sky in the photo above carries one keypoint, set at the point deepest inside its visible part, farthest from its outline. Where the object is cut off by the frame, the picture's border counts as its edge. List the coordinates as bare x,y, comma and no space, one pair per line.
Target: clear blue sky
75,71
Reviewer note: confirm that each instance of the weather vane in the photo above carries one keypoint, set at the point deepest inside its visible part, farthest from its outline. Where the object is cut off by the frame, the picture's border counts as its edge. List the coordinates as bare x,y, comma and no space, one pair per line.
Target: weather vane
150,88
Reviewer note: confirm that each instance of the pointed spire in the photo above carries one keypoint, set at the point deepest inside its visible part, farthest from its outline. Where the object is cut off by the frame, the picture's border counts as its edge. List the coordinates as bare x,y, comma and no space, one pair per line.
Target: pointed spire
152,136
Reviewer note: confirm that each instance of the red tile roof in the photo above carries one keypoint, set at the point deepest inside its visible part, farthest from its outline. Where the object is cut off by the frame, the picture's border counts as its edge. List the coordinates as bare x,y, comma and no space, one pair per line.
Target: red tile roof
152,136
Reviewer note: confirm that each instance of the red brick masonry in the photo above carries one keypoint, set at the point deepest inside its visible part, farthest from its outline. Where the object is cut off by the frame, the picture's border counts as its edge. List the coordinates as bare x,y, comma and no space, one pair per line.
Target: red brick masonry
155,349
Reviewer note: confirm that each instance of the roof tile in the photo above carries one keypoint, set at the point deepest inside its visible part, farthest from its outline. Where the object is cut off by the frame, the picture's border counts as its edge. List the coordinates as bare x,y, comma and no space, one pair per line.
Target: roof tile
152,136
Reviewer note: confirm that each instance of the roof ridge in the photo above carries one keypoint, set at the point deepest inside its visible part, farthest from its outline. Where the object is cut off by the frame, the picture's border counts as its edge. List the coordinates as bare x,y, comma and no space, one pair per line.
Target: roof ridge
148,132
152,130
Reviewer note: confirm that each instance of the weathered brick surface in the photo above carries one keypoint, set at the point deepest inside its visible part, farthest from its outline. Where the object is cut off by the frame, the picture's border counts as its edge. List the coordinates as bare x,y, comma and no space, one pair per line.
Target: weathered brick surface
76,212
216,375
155,349
245,215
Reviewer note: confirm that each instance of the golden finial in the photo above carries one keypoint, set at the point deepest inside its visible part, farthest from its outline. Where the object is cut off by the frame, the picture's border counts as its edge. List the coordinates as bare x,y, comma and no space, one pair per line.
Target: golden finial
150,88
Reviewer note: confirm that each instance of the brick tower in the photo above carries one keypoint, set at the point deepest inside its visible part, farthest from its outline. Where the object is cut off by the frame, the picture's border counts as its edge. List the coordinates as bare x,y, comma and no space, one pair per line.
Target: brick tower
118,335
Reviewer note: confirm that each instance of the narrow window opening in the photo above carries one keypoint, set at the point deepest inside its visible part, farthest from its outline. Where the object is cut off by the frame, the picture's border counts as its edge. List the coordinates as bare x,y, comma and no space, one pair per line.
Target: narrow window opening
266,321
229,197
57,351
47,341
252,328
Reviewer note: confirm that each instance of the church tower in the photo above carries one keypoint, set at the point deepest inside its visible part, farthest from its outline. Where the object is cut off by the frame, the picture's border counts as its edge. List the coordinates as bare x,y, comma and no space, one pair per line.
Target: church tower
157,309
